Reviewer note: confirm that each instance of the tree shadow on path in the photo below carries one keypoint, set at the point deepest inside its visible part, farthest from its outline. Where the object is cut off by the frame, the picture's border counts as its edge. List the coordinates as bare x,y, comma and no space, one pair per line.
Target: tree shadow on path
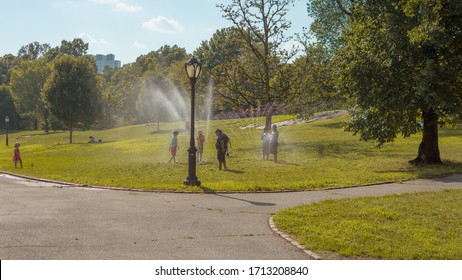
256,203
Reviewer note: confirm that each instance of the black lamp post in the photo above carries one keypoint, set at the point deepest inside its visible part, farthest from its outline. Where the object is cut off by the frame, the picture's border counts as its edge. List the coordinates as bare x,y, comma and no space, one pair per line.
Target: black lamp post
7,122
193,69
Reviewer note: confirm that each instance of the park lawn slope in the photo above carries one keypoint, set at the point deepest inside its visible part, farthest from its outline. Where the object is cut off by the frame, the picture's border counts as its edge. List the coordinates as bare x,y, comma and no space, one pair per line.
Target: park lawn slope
412,226
311,156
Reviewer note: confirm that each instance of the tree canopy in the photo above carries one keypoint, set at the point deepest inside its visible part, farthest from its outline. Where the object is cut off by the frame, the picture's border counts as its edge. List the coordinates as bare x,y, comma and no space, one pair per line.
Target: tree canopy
399,63
261,25
72,92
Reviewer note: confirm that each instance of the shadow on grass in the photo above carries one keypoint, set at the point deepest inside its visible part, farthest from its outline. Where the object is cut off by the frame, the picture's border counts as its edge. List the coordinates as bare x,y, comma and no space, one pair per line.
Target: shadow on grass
235,171
167,131
256,203
283,162
34,134
334,149
437,172
336,125
84,143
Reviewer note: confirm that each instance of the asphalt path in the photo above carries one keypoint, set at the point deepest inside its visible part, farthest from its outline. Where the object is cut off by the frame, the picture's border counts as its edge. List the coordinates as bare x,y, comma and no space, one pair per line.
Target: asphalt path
43,220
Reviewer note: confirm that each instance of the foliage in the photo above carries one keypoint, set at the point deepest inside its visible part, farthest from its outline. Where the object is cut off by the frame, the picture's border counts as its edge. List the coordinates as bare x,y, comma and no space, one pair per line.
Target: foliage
161,59
312,75
120,95
77,47
71,92
398,63
311,156
7,64
215,55
33,51
421,226
27,81
329,20
7,107
261,25
145,91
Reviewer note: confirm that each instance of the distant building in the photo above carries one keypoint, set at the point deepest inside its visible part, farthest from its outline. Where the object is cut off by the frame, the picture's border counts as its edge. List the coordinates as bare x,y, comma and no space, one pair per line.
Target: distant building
106,60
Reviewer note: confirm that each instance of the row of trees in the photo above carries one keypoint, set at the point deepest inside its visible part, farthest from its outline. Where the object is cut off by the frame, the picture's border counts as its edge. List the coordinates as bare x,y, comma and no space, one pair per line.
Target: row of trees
59,88
245,65
396,65
392,63
44,85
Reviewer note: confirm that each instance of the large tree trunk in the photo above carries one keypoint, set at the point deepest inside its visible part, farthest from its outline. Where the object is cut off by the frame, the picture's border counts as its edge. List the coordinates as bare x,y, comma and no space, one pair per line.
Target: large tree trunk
269,117
429,151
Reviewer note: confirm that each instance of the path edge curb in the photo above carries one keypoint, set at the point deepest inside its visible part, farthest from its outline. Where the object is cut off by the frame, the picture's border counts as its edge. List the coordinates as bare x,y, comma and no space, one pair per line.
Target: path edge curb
274,228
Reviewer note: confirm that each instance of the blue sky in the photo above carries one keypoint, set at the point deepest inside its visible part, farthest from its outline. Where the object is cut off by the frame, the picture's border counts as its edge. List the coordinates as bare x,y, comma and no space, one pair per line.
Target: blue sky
126,28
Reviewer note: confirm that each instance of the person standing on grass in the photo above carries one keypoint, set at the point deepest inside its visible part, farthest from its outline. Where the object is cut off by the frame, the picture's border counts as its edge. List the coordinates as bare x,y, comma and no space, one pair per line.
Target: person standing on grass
187,126
222,148
265,138
17,155
174,146
200,145
274,142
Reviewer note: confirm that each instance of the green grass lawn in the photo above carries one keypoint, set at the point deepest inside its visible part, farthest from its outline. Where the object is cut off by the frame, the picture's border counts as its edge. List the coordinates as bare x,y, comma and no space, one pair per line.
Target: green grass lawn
311,156
420,226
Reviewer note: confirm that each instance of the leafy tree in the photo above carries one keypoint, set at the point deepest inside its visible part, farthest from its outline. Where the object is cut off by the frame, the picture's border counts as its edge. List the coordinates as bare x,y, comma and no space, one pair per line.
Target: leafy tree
214,54
120,95
160,60
33,51
77,47
72,92
330,18
7,107
27,81
7,64
261,25
312,76
400,63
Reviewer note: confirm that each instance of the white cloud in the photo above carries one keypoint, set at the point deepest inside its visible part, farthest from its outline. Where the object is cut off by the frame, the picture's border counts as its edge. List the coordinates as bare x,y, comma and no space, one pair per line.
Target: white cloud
126,8
120,5
104,1
139,45
88,38
163,25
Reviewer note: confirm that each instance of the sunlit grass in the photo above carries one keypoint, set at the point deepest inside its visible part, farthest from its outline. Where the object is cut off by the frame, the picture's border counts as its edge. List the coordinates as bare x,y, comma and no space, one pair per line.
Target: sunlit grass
312,156
418,226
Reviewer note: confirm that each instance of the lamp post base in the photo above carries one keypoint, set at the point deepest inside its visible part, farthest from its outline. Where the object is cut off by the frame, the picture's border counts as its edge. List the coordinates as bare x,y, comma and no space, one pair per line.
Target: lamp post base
191,182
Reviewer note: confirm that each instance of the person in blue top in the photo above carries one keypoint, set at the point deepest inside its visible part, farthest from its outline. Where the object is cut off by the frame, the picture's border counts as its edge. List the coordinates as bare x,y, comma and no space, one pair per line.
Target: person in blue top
174,146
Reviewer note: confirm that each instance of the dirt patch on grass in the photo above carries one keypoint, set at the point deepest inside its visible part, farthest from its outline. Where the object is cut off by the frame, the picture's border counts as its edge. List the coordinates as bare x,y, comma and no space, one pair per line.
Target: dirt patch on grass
317,117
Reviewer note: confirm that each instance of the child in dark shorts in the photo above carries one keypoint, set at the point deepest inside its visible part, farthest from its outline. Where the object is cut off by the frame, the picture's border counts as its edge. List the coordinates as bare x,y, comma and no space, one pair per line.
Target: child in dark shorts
274,142
222,148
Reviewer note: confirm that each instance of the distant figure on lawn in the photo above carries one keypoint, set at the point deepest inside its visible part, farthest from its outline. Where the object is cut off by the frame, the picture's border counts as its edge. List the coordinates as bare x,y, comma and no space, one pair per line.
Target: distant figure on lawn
17,155
200,145
94,140
274,142
174,146
222,148
265,138
187,127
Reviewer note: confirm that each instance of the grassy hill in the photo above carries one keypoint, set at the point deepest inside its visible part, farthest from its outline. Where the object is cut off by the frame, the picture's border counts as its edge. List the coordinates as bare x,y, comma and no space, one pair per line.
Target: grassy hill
311,156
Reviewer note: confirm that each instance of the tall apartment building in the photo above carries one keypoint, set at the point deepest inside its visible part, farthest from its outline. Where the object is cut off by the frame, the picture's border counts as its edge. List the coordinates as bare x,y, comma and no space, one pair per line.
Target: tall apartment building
106,60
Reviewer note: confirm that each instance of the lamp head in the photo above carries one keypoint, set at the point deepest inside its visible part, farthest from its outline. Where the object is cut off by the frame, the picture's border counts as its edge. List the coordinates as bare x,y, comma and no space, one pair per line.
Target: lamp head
193,67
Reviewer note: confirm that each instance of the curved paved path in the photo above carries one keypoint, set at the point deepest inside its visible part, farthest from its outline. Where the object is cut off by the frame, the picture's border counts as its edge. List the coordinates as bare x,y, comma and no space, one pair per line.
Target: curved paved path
47,221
